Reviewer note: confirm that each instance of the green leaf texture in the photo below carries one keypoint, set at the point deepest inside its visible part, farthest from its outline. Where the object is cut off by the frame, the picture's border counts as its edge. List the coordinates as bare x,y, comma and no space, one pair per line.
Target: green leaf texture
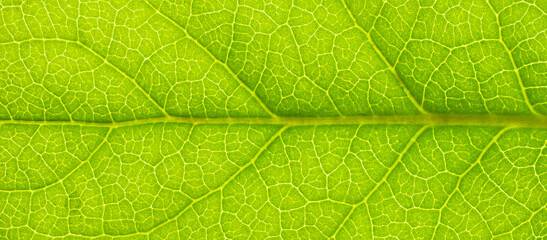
252,119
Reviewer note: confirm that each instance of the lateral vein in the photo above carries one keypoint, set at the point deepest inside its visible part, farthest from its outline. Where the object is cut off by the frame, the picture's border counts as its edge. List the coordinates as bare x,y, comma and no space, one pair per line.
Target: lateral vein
216,60
388,64
384,179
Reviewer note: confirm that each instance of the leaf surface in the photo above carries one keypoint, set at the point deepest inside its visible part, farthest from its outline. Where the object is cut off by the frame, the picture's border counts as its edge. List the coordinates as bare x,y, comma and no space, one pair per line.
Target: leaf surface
194,119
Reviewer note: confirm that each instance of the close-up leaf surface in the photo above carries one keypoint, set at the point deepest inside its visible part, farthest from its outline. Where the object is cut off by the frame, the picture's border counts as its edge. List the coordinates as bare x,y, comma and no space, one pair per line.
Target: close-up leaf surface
252,119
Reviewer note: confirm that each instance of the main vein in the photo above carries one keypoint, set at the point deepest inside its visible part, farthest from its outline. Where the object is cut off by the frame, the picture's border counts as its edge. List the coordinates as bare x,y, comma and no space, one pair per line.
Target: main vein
428,119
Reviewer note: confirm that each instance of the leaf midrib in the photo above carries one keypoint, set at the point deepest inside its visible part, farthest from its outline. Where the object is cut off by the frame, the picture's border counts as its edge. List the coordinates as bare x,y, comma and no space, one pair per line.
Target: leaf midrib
426,119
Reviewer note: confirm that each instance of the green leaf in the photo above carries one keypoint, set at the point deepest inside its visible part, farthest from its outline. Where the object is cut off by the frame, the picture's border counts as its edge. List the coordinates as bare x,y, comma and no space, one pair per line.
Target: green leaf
304,119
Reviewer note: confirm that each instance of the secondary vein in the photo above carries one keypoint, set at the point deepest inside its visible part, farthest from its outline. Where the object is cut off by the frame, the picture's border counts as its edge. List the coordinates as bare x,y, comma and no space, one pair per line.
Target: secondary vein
389,66
517,71
191,38
384,179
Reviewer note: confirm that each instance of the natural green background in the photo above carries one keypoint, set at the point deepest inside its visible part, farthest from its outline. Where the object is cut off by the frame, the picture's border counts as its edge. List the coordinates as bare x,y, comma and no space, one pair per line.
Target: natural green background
301,119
